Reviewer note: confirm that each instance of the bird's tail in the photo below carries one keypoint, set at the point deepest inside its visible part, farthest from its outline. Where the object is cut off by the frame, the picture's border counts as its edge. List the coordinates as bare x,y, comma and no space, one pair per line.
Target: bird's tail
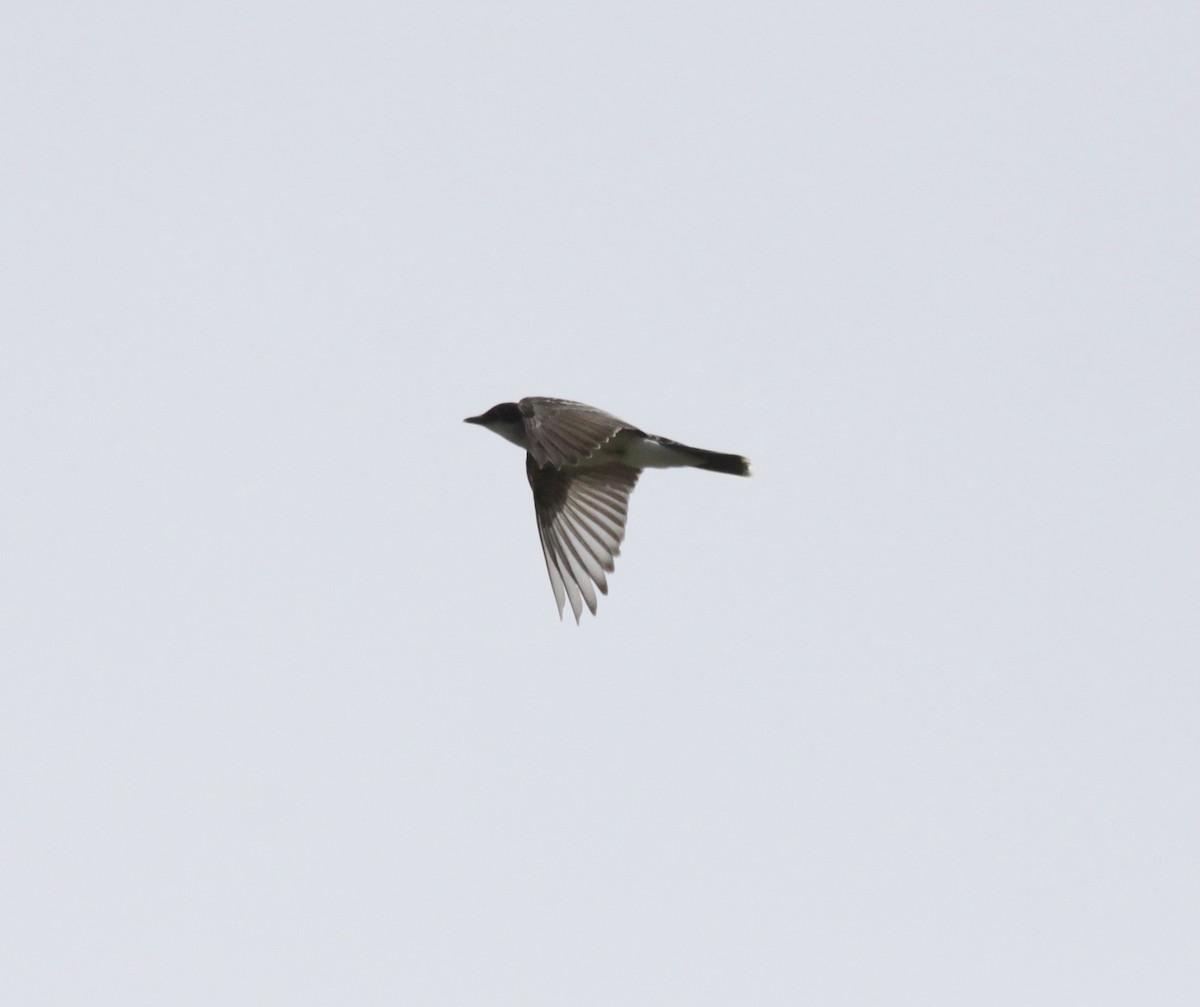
713,461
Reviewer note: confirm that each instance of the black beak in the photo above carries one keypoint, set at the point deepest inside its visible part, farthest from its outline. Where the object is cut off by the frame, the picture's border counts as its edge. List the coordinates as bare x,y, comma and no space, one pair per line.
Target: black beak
473,419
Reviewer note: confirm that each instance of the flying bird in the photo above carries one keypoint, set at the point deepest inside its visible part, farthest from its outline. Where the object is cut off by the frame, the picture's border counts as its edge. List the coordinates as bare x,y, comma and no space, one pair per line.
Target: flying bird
582,464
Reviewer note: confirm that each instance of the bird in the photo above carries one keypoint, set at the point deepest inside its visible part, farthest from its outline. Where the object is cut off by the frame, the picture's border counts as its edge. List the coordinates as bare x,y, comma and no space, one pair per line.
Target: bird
582,463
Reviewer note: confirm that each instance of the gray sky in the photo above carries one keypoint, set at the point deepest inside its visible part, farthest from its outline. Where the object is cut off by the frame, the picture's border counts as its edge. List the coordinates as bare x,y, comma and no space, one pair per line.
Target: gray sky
910,717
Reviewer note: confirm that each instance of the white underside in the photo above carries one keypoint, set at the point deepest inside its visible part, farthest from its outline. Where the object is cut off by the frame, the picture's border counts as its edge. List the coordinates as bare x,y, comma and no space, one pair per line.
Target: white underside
639,452
646,453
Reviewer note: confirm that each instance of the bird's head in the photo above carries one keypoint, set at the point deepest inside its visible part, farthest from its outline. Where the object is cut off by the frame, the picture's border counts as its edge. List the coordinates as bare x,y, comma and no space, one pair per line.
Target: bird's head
504,419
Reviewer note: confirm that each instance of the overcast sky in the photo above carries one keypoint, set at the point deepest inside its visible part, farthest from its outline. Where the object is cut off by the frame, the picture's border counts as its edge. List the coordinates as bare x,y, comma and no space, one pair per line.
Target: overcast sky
287,714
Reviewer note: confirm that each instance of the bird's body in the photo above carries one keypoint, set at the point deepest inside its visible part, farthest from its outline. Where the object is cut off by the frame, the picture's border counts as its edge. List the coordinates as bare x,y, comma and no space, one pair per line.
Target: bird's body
582,464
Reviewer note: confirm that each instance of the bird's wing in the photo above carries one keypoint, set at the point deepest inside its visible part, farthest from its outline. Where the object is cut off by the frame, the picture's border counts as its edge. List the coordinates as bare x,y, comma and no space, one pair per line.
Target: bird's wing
564,433
581,520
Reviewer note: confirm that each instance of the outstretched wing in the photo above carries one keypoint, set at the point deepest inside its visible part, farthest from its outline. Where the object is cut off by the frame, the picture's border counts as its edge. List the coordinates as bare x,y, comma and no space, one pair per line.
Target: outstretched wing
564,433
581,521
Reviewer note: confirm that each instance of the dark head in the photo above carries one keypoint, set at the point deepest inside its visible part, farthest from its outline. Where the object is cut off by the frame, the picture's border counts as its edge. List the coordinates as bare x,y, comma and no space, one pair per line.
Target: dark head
505,414
505,420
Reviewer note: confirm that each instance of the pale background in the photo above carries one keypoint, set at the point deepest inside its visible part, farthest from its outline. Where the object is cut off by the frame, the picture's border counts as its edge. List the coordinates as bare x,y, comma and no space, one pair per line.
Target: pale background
287,714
